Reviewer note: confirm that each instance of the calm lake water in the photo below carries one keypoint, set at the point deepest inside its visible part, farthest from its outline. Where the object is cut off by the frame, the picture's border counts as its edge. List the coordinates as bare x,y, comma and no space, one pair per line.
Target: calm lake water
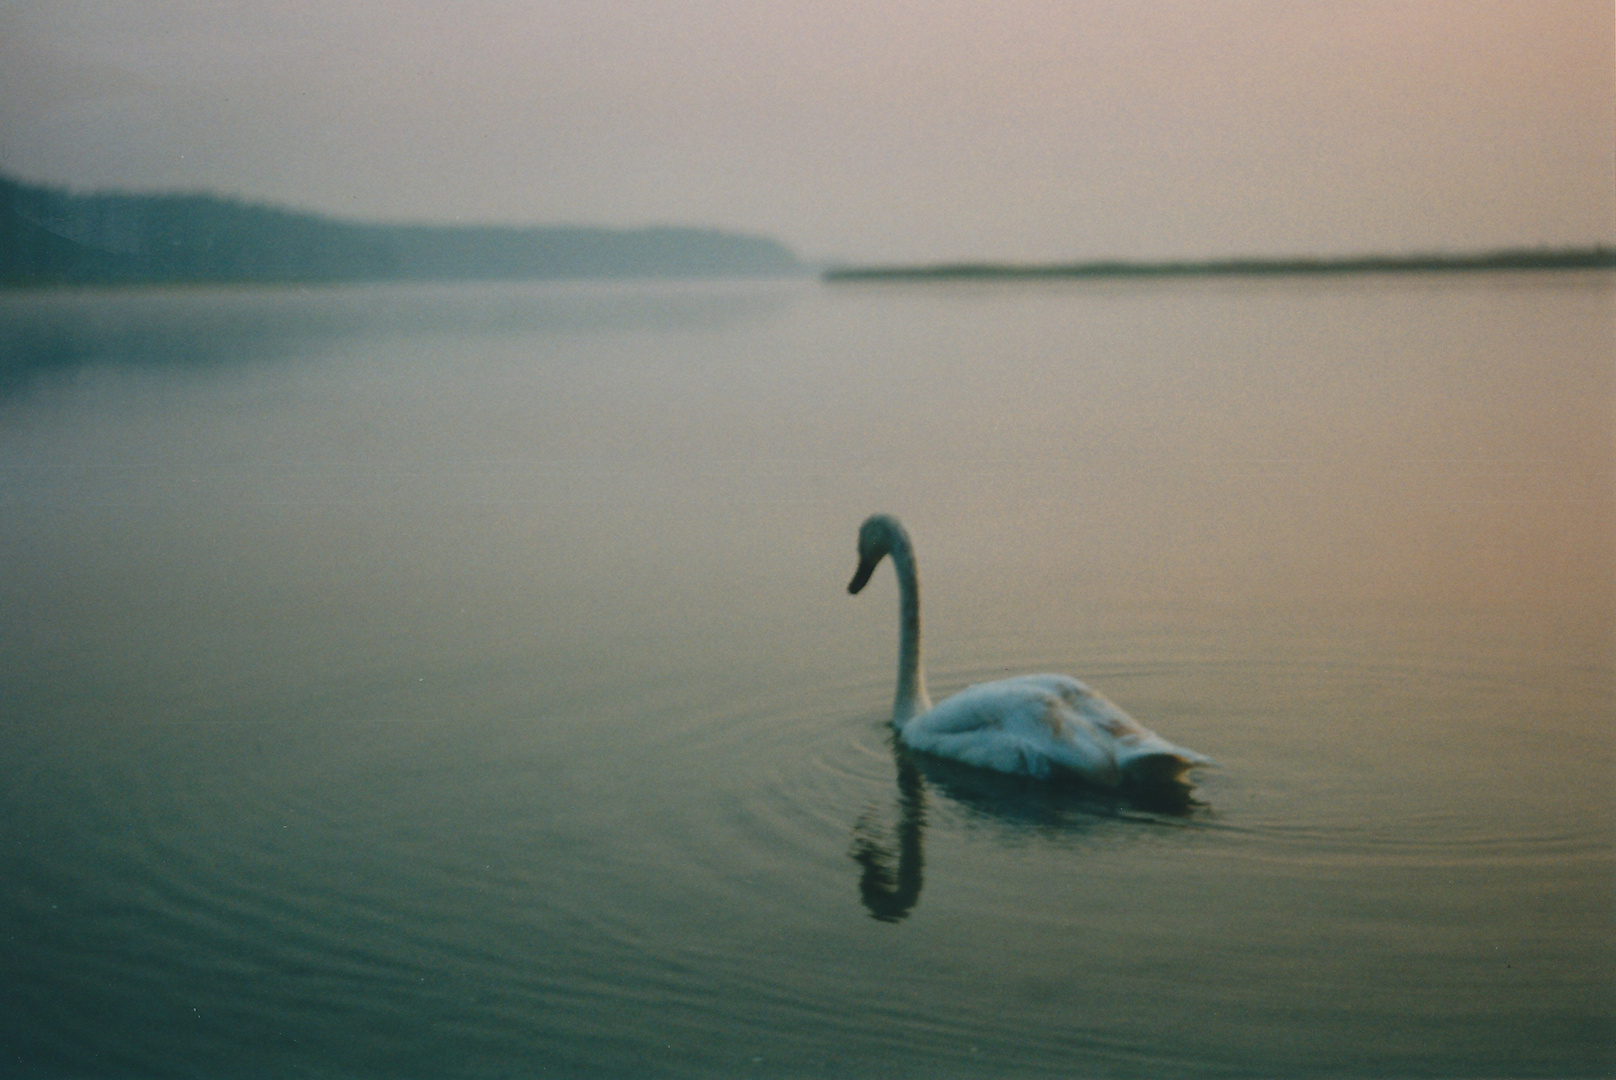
461,681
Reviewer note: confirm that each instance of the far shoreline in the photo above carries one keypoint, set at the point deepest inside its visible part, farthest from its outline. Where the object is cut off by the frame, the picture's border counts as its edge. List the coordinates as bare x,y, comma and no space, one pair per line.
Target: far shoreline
1594,258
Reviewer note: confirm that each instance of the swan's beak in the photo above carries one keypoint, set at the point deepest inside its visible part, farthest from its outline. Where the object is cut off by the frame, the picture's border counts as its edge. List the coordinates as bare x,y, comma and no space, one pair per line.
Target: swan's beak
865,569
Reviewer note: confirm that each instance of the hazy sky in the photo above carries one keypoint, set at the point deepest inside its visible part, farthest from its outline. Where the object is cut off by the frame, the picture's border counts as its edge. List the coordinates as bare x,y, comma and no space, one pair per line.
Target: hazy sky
867,130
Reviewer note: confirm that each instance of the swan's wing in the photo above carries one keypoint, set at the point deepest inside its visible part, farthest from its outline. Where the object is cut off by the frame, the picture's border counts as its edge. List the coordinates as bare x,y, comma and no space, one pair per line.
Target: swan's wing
1035,723
1016,726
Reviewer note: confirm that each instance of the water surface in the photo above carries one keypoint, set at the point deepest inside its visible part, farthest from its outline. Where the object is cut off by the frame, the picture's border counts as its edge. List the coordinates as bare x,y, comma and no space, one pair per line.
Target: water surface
460,681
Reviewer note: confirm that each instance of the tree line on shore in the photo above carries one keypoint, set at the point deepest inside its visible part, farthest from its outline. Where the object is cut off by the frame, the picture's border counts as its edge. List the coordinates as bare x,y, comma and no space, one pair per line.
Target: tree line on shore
50,236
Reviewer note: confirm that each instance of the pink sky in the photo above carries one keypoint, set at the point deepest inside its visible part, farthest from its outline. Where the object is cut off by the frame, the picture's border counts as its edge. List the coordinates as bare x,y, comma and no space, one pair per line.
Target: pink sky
864,130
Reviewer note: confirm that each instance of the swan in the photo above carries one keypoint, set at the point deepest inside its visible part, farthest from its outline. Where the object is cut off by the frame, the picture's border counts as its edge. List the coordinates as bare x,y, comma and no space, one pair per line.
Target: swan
1032,725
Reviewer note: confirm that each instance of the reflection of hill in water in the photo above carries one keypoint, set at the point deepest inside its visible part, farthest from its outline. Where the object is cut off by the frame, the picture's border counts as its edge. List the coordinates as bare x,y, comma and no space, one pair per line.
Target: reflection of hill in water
892,872
44,334
60,331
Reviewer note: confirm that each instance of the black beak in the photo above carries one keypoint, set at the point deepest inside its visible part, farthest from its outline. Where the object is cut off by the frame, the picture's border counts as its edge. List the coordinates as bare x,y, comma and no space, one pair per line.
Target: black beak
861,578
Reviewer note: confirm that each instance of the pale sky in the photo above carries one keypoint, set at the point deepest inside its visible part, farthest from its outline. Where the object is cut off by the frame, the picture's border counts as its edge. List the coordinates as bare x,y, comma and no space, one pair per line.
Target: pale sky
861,130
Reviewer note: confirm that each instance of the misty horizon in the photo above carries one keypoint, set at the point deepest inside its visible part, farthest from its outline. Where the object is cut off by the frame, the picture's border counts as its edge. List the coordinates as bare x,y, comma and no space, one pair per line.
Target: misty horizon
853,133
118,223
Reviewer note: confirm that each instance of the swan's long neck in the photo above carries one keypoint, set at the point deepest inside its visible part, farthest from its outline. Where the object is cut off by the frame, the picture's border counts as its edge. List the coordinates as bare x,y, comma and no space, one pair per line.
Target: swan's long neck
911,699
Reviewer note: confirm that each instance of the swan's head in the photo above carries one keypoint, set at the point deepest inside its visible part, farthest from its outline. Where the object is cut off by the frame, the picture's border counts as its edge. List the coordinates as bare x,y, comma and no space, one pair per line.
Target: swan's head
878,536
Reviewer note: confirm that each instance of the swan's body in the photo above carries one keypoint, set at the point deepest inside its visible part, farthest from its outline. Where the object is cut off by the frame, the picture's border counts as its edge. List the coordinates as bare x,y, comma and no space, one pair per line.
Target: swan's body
1034,725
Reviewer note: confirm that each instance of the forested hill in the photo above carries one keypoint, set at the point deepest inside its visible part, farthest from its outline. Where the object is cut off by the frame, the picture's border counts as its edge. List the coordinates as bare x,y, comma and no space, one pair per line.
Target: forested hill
49,236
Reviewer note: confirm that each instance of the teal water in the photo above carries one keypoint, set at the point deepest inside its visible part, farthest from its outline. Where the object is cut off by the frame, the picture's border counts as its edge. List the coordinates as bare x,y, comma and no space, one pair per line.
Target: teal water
461,682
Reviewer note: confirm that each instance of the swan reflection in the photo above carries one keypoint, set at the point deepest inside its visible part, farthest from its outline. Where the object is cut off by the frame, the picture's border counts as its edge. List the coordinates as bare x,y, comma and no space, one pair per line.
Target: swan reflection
890,887
892,871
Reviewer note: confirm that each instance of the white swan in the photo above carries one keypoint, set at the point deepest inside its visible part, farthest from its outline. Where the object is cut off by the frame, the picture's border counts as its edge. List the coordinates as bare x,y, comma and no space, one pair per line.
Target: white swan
1033,725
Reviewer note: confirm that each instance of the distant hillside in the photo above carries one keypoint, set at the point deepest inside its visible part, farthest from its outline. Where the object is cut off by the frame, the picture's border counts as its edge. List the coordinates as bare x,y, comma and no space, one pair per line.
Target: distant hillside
49,236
